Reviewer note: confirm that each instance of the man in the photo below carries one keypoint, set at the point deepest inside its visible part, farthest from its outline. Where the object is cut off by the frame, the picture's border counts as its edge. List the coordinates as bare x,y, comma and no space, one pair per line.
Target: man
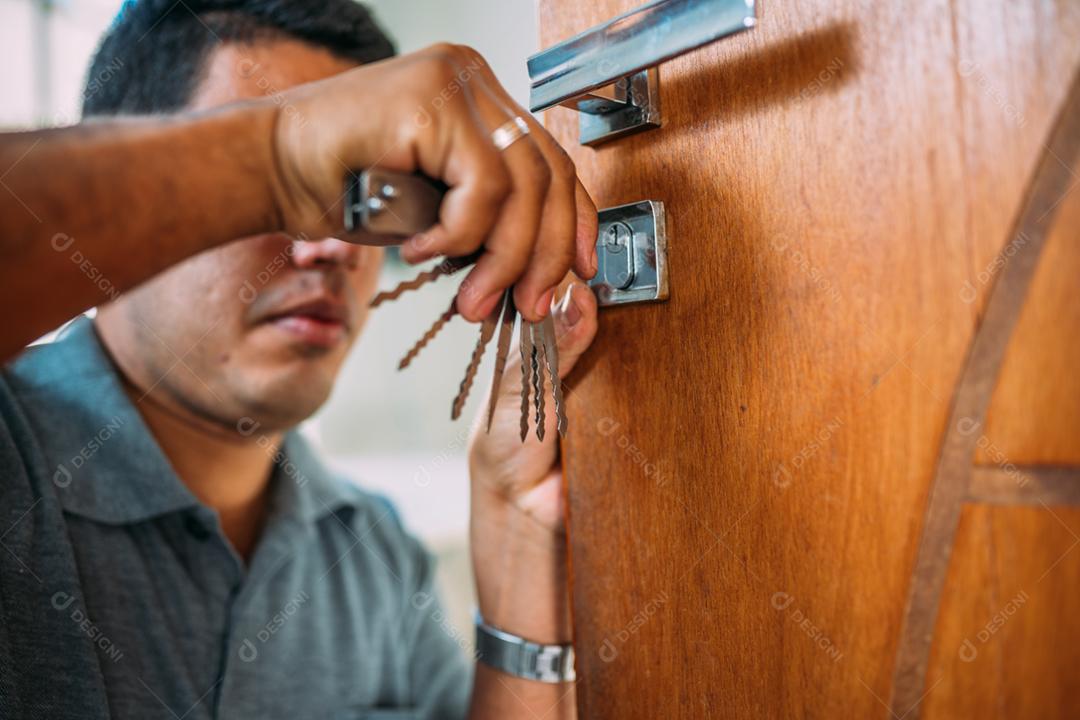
172,548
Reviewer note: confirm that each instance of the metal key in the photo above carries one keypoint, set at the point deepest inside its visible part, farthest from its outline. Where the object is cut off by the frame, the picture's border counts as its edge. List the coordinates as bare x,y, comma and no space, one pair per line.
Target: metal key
449,266
506,332
429,335
527,352
487,331
539,358
391,203
551,356
539,364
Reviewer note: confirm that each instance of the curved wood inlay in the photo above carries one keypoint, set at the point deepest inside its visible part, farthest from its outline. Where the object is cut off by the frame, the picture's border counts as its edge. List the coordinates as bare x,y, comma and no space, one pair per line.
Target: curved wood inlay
1052,180
1024,485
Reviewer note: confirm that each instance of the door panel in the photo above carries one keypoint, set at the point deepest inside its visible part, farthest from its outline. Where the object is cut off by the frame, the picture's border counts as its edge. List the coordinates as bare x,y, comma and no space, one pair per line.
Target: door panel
1005,641
749,463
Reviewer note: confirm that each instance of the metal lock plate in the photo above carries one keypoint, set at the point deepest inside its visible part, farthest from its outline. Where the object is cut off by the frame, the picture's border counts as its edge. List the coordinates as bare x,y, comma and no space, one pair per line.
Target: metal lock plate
632,251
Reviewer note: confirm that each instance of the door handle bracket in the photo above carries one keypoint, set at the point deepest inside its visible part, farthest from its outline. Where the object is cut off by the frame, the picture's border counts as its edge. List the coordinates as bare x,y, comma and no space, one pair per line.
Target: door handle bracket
635,109
610,73
631,249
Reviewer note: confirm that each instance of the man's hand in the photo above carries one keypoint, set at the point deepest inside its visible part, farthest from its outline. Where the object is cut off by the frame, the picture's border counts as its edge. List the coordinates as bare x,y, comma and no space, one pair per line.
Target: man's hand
518,536
526,475
434,112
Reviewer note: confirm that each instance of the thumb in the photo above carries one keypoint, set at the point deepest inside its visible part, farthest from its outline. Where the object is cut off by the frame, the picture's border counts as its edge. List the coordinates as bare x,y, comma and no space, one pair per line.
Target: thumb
575,325
575,321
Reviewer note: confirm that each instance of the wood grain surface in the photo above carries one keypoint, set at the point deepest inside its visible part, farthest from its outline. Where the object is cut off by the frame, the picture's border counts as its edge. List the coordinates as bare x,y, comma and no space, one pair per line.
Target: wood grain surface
749,465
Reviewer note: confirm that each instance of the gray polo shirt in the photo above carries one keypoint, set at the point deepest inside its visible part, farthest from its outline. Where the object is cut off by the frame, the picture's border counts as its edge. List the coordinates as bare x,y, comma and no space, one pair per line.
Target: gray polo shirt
120,596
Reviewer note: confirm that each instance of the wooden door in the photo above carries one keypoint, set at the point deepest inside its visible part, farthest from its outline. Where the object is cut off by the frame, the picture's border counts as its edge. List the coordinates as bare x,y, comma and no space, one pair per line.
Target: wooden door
836,474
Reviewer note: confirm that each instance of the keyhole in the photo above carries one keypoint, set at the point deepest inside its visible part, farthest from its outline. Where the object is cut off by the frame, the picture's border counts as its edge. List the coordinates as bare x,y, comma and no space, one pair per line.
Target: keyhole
617,269
618,237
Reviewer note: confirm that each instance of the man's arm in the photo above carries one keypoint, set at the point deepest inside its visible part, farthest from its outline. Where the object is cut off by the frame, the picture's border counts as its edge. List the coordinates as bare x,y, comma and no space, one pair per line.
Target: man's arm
518,537
521,574
89,211
93,210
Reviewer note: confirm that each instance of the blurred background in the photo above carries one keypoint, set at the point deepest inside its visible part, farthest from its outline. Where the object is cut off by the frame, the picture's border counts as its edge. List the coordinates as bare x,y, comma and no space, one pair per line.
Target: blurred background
390,432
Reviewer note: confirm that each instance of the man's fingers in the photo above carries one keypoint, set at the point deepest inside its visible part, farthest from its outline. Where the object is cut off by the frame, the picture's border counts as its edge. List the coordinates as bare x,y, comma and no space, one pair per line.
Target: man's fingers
553,253
575,325
585,261
566,210
522,205
480,182
510,246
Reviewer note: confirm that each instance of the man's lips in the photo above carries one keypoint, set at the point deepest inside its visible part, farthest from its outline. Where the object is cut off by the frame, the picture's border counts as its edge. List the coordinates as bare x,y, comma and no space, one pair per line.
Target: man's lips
321,322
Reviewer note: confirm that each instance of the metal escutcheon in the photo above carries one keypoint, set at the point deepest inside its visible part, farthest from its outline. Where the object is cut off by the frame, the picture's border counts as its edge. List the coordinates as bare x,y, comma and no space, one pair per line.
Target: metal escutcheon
631,248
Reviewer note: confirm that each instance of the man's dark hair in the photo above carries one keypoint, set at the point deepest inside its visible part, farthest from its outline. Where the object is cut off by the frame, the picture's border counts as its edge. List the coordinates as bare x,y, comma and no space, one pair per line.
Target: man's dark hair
154,55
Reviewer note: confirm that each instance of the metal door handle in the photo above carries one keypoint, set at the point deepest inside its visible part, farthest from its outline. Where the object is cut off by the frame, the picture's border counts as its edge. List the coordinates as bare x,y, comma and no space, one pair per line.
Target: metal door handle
609,73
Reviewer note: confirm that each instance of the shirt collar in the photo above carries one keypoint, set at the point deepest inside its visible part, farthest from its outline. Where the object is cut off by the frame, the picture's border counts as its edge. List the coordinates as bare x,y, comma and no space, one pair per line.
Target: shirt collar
306,489
103,459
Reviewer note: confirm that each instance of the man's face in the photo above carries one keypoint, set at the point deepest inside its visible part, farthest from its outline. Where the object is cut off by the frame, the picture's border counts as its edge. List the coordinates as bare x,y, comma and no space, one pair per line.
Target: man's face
259,327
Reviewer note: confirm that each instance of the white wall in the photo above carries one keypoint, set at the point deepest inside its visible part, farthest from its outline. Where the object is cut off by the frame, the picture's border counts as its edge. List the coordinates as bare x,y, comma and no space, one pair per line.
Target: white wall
503,30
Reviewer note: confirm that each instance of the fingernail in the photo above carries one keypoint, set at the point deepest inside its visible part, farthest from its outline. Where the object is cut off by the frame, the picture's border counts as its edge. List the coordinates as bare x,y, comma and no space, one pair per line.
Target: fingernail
416,249
568,308
487,305
421,241
543,305
594,263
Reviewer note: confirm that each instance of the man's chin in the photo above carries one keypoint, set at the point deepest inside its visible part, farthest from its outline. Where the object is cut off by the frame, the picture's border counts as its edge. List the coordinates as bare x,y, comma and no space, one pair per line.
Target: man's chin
283,375
282,397
280,414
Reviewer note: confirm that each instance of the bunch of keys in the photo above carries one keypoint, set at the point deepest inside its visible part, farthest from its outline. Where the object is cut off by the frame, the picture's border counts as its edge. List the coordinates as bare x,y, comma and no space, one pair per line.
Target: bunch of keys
388,203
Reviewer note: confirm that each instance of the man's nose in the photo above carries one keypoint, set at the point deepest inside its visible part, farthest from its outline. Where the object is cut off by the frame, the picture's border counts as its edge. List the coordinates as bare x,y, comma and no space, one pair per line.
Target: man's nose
327,251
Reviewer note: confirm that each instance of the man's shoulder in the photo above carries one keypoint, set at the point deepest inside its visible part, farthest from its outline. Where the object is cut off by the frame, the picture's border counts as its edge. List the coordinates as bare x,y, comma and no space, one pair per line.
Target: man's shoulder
74,354
32,394
50,384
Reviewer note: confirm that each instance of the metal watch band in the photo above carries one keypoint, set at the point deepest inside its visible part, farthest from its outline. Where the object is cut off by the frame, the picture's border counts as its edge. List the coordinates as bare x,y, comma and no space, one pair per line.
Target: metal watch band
523,658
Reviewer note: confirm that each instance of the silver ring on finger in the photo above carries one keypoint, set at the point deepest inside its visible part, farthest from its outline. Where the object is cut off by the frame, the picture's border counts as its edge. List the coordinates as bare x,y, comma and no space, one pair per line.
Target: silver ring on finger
509,133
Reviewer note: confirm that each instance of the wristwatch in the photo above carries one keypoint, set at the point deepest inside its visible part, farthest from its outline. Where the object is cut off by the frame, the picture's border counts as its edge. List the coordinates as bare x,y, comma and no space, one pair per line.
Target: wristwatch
523,658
